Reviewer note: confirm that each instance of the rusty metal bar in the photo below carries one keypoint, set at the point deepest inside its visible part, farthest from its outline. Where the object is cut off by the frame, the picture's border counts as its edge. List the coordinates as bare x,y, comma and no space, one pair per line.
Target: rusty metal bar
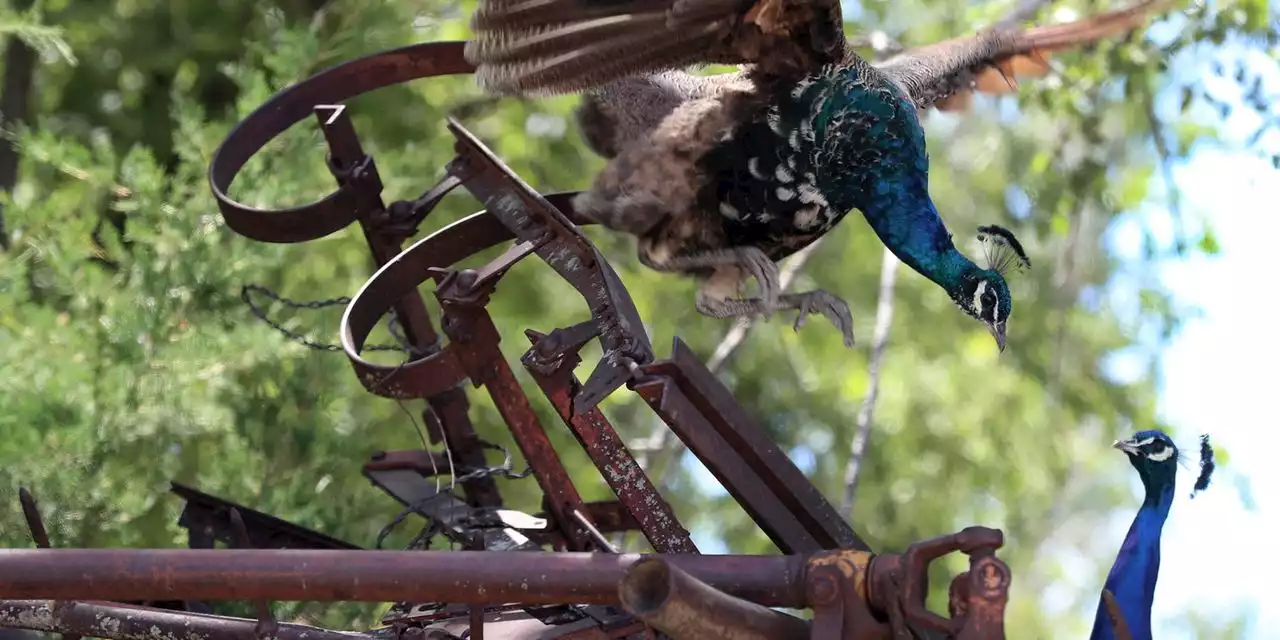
534,219
267,623
464,577
40,535
474,338
765,508
686,608
750,444
121,622
603,445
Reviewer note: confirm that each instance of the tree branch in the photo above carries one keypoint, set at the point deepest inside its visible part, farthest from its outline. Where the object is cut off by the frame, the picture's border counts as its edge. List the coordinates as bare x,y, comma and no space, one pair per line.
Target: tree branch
884,320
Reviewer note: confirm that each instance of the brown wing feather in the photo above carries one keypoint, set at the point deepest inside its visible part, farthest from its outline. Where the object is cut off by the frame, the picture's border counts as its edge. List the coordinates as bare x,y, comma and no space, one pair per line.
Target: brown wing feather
561,46
942,75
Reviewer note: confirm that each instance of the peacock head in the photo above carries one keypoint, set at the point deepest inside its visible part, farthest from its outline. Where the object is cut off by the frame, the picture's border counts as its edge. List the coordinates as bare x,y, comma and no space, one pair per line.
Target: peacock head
983,293
1156,458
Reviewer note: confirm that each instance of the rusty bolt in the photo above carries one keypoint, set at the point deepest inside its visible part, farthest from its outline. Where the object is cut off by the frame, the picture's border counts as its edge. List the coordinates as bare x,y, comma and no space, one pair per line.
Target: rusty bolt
823,589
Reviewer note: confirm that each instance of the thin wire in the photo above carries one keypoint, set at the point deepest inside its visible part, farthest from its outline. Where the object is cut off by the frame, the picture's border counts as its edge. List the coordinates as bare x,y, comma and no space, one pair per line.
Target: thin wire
448,455
420,431
260,314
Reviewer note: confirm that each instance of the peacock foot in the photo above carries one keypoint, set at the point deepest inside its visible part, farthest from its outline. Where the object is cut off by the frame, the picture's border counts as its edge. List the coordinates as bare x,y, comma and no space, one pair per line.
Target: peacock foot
819,301
809,302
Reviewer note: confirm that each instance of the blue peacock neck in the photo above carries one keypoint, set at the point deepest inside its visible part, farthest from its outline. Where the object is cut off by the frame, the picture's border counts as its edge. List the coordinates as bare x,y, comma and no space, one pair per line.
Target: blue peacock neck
908,224
1133,576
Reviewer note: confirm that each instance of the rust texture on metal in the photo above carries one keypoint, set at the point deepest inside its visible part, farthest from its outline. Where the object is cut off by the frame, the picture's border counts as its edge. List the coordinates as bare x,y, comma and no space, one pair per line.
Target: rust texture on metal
552,368
703,414
464,577
850,591
526,592
123,622
898,586
685,608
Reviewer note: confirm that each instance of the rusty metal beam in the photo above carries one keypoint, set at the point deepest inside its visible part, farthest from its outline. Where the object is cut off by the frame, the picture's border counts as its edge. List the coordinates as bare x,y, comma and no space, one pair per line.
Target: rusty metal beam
758,451
686,608
122,622
691,426
603,444
465,577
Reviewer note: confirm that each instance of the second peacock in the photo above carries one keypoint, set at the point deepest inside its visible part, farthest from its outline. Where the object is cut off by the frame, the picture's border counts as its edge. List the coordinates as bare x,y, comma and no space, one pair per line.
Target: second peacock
1132,581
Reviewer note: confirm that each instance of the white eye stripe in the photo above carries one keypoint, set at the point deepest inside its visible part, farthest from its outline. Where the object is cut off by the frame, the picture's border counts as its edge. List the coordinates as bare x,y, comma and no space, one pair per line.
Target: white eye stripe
1161,455
977,295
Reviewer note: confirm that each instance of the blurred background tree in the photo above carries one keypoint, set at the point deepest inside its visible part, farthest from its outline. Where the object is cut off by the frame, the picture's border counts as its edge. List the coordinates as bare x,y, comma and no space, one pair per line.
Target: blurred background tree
127,358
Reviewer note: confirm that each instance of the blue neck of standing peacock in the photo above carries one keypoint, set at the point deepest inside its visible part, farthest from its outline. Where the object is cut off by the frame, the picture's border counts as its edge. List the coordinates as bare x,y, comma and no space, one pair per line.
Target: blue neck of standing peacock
1133,576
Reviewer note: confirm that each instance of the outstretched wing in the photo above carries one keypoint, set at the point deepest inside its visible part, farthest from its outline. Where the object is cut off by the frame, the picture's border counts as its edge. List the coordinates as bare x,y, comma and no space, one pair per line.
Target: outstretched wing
945,75
560,46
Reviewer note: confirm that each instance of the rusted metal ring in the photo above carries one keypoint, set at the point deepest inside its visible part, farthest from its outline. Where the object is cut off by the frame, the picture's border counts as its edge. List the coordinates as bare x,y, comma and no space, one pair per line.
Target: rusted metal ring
401,276
331,86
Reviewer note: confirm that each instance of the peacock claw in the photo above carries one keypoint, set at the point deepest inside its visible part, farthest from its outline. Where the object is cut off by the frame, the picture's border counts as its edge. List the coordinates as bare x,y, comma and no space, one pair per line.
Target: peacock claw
818,301
765,272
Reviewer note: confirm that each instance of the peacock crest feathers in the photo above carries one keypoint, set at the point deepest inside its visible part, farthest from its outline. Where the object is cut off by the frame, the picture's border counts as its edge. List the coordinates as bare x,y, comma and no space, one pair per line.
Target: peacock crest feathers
1207,465
1002,250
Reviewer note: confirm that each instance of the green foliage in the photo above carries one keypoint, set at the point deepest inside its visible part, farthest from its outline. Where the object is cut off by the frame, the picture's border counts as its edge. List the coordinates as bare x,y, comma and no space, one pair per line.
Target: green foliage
129,359
29,27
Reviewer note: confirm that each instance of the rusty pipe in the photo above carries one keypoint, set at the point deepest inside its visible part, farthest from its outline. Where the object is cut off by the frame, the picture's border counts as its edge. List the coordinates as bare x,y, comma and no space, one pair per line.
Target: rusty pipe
686,608
464,577
121,622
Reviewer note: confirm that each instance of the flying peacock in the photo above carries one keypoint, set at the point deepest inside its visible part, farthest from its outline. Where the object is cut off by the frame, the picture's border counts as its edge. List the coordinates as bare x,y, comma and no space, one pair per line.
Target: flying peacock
1131,584
721,176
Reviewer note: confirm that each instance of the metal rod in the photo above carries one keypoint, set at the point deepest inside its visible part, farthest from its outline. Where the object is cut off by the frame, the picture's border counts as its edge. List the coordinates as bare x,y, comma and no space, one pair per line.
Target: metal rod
595,534
31,511
119,622
464,577
266,620
686,608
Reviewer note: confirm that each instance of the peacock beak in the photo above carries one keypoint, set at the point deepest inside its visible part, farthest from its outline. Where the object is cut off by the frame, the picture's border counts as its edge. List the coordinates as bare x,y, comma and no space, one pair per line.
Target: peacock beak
997,331
1125,446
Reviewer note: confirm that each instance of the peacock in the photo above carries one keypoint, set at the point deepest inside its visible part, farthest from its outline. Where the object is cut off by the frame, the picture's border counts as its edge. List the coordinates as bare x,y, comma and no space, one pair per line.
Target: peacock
721,176
1131,584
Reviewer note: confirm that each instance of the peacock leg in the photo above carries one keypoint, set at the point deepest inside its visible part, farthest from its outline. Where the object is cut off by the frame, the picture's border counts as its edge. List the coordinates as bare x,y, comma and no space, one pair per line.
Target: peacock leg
730,266
715,299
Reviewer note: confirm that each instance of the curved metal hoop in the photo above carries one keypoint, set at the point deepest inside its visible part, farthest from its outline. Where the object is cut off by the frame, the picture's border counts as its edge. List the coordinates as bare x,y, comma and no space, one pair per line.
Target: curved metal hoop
401,276
285,109
544,225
